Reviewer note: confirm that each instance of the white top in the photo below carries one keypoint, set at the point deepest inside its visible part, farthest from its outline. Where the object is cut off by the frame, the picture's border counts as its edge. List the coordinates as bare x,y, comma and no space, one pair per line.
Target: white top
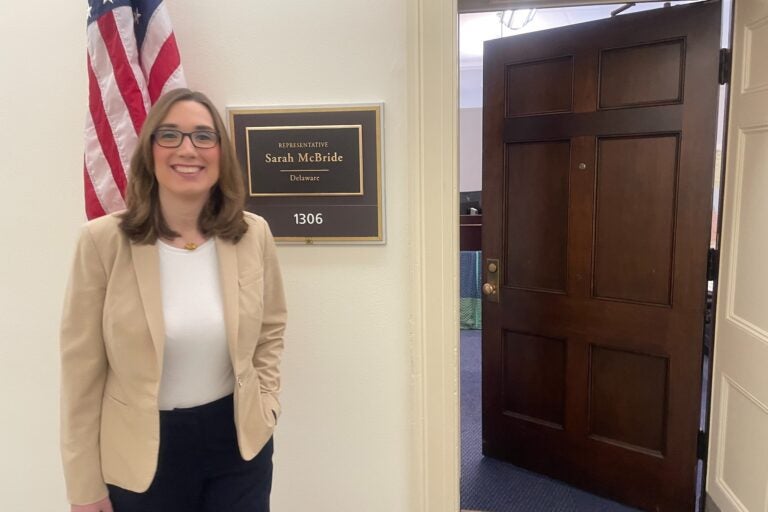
196,364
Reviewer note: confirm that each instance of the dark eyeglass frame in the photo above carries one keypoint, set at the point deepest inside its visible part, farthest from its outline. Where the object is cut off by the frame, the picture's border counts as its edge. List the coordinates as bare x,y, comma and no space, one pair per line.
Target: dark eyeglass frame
191,135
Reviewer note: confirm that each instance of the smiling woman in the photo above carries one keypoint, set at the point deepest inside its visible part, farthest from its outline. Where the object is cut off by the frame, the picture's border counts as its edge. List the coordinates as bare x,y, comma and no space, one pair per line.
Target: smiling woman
185,171
166,404
184,164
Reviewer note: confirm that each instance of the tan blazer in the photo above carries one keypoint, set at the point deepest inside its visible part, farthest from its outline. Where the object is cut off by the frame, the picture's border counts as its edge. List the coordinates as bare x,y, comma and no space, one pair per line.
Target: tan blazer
112,338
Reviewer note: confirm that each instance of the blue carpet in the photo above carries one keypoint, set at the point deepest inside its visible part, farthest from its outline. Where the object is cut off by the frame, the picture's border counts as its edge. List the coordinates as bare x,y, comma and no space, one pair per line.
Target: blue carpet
494,486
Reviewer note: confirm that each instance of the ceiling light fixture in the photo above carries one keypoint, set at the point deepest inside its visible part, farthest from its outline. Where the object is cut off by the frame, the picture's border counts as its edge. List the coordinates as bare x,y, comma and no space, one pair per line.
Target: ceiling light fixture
515,19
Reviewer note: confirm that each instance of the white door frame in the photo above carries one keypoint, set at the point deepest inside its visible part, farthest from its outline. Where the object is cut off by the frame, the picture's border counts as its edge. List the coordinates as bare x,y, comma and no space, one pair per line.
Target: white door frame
432,123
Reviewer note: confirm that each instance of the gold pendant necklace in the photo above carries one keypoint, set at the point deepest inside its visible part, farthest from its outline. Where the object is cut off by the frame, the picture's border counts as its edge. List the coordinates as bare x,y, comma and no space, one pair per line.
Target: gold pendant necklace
190,246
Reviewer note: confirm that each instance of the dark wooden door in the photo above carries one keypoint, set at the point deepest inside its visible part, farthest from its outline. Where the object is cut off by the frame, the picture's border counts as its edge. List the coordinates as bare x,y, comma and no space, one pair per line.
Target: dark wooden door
598,157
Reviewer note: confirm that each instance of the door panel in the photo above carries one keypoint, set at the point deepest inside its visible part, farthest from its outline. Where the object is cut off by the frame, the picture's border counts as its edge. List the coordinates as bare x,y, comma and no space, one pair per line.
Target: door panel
534,384
648,74
539,87
737,477
540,217
634,218
597,183
623,386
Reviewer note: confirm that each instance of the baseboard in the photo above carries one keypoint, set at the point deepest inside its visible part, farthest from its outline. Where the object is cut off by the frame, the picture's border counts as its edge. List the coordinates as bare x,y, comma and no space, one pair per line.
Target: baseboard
709,504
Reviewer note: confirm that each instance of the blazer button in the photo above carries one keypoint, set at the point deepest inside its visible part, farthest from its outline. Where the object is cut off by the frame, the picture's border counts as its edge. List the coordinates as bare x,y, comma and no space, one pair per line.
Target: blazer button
240,382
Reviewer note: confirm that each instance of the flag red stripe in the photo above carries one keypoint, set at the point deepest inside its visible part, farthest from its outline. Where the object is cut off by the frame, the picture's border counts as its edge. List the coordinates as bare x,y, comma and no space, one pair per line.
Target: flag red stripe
124,77
166,62
93,208
121,86
104,131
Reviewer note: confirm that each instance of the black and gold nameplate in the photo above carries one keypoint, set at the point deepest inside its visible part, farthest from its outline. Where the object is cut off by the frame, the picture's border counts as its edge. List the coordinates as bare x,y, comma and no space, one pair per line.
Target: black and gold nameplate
314,173
305,160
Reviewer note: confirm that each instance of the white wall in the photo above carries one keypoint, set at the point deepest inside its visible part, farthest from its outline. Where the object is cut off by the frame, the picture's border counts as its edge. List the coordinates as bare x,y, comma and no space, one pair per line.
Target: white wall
470,149
42,94
344,437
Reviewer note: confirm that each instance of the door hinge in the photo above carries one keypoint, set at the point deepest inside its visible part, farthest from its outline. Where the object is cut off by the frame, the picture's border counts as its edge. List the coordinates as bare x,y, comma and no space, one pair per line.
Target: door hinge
724,73
713,264
702,445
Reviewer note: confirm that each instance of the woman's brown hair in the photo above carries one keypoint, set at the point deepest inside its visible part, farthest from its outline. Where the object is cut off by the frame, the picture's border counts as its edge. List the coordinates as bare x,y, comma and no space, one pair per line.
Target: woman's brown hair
222,215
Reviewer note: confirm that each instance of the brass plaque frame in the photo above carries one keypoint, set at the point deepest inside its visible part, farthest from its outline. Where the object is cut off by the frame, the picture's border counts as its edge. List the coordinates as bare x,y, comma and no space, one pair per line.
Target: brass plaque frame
306,213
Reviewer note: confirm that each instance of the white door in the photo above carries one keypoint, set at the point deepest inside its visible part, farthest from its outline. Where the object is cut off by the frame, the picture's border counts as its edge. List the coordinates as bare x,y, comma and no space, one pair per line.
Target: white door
738,471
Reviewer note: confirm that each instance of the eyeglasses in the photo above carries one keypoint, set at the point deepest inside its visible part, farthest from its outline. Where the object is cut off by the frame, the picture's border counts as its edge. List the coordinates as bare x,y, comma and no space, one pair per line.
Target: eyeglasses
201,139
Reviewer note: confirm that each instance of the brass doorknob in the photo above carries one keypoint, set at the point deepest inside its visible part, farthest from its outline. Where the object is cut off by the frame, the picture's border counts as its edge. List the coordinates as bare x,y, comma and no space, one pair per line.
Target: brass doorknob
491,287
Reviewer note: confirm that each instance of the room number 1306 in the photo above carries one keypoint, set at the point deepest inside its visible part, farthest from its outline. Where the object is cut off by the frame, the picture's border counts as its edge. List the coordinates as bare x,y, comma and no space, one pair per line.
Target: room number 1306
308,218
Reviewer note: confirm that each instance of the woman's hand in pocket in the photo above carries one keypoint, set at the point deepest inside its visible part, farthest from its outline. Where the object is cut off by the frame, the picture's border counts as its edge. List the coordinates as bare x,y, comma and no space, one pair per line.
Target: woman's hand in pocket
100,506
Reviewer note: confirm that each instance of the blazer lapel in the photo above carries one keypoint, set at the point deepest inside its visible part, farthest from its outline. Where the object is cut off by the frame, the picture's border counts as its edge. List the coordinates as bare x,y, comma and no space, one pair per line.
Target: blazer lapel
146,264
230,289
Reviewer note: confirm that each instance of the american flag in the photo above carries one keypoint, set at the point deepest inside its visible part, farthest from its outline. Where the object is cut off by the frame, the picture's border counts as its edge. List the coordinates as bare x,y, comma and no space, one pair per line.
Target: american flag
132,60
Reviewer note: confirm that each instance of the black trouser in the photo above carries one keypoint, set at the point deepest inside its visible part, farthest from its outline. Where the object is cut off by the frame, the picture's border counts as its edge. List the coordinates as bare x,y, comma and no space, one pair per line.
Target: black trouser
199,467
